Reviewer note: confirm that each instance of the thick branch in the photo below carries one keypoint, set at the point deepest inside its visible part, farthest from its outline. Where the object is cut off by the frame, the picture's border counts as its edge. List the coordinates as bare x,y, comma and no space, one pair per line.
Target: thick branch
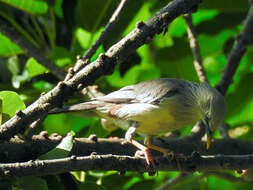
239,48
22,150
143,33
30,49
191,163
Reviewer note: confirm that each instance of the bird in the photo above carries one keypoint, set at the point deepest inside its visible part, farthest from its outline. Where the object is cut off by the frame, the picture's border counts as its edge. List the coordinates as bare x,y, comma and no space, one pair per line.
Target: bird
157,106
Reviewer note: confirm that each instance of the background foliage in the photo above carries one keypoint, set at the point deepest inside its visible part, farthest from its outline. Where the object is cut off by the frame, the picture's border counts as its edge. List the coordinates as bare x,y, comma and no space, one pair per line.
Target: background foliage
63,29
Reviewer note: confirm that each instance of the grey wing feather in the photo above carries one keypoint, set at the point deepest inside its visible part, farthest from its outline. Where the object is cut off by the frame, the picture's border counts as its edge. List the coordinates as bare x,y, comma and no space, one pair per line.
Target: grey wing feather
76,108
151,91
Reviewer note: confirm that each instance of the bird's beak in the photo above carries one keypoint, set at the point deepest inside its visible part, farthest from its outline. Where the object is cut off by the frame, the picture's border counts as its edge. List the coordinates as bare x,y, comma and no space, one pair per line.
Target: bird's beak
209,133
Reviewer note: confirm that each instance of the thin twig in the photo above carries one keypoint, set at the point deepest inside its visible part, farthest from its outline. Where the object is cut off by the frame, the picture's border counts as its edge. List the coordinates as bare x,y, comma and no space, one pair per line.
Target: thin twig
239,48
193,39
108,28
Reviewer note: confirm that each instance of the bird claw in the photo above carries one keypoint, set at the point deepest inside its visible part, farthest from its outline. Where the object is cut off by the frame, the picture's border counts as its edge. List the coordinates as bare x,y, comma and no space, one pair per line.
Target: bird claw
150,160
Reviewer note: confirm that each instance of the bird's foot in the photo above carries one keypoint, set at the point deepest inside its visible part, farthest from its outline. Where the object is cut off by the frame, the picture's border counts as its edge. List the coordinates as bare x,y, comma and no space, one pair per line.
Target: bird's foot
150,160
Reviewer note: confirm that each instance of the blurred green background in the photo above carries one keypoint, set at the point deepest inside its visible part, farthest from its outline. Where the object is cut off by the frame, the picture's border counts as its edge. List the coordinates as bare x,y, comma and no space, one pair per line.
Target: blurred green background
63,29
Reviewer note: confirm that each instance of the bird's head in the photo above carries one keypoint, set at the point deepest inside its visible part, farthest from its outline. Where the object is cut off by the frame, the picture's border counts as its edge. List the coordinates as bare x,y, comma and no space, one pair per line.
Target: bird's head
213,109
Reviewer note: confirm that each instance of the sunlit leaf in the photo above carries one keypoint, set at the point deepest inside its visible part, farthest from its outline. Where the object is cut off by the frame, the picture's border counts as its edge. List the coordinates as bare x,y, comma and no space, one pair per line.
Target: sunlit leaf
34,68
243,111
60,56
8,48
29,6
83,37
62,150
11,102
63,123
203,15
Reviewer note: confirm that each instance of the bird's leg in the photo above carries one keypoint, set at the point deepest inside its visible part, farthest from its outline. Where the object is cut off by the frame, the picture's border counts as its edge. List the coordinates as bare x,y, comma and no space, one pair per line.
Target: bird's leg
148,142
144,150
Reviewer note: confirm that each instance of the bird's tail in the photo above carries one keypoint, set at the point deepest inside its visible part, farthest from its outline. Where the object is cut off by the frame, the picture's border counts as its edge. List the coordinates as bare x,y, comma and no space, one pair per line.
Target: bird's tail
87,106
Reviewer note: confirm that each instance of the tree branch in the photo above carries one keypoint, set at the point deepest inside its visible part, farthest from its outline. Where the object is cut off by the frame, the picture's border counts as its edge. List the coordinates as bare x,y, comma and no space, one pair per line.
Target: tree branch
191,163
22,150
109,26
239,48
193,39
143,33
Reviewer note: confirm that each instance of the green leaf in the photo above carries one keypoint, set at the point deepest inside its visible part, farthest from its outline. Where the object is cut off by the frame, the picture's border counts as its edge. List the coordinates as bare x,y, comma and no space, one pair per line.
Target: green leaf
83,37
213,44
60,56
241,112
29,6
176,61
129,78
62,150
203,15
143,14
58,8
11,102
34,68
177,27
7,47
63,123
43,86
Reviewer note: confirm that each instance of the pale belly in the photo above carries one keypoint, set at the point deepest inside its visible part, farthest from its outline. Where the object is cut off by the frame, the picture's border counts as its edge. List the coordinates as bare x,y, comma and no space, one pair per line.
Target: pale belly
154,120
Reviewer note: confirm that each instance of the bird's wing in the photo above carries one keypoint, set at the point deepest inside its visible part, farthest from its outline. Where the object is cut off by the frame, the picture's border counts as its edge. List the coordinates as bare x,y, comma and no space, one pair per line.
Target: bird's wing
152,91
76,108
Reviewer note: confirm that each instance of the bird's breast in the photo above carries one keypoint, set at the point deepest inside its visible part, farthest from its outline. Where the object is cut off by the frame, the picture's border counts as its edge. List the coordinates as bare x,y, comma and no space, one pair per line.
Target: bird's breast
153,119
